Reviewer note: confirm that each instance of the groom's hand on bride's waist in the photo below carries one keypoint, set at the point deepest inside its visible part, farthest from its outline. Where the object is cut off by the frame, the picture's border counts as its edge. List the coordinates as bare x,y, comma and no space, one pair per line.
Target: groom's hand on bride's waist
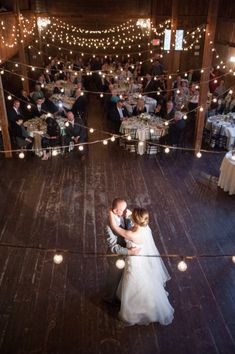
133,251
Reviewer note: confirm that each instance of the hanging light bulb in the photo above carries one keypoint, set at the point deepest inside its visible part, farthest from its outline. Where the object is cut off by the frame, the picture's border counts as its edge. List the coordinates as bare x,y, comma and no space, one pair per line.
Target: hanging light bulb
91,130
112,138
66,124
101,95
201,109
80,148
166,123
185,116
58,258
54,153
21,155
120,263
182,266
233,259
9,97
167,150
199,154
29,106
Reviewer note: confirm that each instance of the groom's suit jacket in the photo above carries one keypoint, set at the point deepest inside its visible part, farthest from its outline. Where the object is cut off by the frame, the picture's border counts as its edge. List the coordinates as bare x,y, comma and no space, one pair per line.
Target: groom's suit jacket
116,243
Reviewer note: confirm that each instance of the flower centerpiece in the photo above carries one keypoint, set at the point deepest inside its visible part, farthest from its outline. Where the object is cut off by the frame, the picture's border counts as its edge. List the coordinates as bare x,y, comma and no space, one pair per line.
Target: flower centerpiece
145,118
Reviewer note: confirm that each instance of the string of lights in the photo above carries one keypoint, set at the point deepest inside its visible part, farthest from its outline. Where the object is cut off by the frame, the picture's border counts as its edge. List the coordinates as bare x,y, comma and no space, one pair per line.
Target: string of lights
112,138
60,253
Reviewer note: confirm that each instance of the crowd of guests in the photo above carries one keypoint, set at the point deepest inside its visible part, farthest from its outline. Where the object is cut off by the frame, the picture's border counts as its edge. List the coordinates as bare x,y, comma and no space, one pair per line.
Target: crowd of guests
105,75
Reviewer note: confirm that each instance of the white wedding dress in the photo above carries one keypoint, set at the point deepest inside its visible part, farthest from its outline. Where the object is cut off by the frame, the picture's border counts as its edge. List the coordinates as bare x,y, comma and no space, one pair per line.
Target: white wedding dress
141,289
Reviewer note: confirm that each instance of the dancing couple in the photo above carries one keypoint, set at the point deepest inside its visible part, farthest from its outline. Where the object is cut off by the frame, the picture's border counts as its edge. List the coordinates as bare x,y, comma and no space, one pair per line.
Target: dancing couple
140,287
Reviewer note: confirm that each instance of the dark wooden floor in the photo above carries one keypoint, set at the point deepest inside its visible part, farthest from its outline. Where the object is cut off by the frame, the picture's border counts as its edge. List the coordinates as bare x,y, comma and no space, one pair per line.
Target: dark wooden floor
62,204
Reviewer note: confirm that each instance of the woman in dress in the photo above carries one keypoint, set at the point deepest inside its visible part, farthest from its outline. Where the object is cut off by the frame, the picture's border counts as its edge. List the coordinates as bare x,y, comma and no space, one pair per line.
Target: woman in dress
139,108
141,289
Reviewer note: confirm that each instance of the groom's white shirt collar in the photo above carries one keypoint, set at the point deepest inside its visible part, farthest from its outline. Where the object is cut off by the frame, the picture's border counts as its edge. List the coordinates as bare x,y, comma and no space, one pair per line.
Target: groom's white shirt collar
119,220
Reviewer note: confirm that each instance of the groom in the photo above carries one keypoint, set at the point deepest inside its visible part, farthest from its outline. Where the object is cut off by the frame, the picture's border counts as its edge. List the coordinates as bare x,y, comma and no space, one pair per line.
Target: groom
117,245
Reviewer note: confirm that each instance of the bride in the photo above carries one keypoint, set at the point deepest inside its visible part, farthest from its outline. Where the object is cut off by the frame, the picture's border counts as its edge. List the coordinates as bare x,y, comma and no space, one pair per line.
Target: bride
141,289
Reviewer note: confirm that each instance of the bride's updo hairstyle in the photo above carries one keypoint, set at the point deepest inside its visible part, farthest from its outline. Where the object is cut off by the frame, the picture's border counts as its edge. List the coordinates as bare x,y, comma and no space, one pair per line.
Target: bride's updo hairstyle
140,216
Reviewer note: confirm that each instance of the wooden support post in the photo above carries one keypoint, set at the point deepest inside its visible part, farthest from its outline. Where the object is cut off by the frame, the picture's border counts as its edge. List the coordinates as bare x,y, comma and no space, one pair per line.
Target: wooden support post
4,123
174,56
205,75
22,56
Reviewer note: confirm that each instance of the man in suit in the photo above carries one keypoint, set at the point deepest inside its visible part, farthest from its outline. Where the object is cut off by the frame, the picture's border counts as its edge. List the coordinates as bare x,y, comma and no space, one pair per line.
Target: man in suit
75,133
117,245
21,135
150,86
40,108
117,112
13,112
170,110
175,131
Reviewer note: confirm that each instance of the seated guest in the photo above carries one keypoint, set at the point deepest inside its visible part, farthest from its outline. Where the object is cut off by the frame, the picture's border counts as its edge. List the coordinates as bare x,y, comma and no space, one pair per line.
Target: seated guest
41,80
37,93
117,112
180,99
185,88
25,101
221,89
52,138
177,83
230,102
13,112
40,108
170,110
159,111
47,73
176,128
80,105
75,132
21,135
139,108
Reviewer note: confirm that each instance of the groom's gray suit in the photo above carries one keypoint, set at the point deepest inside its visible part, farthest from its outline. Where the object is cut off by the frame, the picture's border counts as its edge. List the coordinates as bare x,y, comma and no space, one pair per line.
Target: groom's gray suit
117,245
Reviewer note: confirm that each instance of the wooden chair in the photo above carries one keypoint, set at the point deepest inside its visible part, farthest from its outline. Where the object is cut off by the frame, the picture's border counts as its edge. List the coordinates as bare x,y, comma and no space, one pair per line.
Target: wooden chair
151,143
131,143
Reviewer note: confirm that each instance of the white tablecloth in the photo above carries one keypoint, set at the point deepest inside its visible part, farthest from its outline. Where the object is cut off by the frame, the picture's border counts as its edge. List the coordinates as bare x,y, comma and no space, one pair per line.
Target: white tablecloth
65,100
227,174
227,126
142,130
